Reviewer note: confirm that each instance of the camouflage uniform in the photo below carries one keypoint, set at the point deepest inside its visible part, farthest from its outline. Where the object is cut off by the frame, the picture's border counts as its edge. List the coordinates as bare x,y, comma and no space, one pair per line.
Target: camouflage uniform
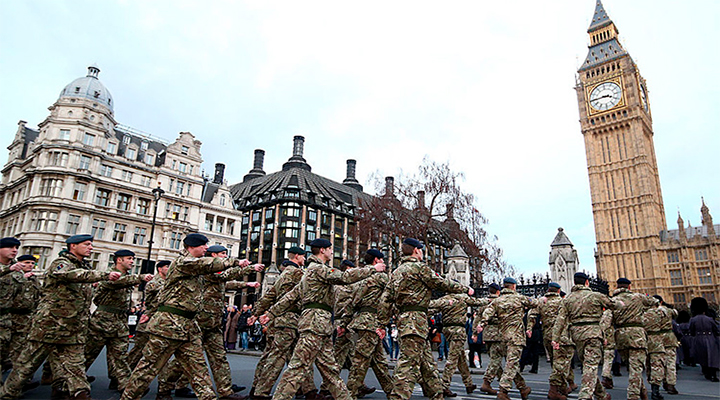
671,344
454,315
6,295
493,341
582,310
630,337
174,330
510,309
369,350
25,299
59,327
209,320
315,294
609,348
547,312
344,345
152,289
282,334
410,289
658,323
108,326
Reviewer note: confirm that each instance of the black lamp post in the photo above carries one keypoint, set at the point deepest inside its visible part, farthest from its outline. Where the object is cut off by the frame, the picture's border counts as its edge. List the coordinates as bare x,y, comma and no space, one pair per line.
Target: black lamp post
157,194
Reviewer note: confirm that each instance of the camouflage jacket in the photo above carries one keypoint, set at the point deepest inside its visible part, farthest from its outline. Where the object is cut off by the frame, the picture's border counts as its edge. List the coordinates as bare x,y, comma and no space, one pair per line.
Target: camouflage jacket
608,328
366,301
25,298
342,309
658,324
581,310
410,290
510,309
152,289
454,308
112,298
546,312
491,332
628,319
316,296
64,312
213,294
181,297
6,294
288,279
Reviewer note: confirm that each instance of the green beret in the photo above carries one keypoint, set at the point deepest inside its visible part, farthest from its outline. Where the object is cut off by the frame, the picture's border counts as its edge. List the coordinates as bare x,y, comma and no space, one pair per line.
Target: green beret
297,250
9,242
195,240
321,243
75,239
414,243
216,249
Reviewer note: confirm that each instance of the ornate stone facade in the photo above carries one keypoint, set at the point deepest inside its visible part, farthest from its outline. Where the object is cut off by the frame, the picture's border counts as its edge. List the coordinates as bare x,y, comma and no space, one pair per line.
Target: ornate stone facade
563,261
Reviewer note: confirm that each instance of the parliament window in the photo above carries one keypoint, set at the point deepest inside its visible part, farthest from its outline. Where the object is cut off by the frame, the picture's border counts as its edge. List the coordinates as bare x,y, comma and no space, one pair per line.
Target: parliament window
679,298
701,255
209,221
84,162
672,257
51,187
704,275
58,159
175,240
676,278
44,221
143,206
119,232
126,176
88,139
112,148
106,170
64,134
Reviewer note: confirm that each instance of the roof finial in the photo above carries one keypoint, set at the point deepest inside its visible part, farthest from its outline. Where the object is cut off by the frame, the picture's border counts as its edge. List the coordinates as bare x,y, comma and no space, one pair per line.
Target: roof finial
93,71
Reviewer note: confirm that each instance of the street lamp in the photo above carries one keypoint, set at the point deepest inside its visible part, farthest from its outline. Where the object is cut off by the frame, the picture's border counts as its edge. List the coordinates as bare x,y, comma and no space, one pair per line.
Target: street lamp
157,194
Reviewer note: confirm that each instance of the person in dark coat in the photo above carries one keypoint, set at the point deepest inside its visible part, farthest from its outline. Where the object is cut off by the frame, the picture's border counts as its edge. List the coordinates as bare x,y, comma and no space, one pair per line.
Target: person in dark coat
683,320
231,328
474,342
705,332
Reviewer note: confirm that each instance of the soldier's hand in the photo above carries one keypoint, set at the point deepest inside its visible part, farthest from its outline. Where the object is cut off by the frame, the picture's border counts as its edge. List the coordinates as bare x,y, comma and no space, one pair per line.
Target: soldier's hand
604,342
243,263
555,345
16,267
380,332
251,320
528,333
259,267
254,284
144,318
474,338
114,276
471,292
29,274
264,319
340,331
147,277
380,267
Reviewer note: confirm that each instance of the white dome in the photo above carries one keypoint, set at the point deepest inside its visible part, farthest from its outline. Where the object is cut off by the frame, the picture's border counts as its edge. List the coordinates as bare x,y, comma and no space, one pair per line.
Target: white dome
89,87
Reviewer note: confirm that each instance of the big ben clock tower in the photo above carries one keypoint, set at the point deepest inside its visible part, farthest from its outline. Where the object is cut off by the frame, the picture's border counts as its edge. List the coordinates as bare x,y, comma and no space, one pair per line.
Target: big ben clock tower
616,123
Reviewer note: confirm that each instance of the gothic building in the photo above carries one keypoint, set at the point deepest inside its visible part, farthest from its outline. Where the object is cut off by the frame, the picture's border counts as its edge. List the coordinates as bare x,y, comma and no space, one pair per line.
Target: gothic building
563,261
627,203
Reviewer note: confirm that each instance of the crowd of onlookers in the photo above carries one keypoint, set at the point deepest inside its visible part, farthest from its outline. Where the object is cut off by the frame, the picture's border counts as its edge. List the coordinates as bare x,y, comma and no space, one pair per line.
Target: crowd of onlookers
237,328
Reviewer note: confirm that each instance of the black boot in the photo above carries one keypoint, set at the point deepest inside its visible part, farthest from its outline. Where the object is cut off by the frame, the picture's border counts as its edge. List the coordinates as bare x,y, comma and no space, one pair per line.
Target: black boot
655,392
616,369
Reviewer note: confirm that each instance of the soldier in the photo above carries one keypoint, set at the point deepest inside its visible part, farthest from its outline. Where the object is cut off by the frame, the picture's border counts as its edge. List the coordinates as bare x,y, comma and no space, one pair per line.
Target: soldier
547,312
152,289
25,299
608,349
210,321
510,309
582,310
670,342
59,327
493,342
282,332
369,350
314,345
108,324
8,250
173,329
454,314
409,290
630,336
658,322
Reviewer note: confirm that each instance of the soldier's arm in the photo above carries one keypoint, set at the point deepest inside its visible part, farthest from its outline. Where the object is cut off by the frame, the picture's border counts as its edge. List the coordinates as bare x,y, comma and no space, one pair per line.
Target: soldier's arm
285,303
236,273
488,313
337,277
560,323
124,282
235,285
533,317
434,281
67,273
205,265
476,301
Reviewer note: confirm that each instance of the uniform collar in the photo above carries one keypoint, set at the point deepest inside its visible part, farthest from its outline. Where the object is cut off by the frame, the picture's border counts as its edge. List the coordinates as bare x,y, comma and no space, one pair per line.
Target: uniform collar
506,291
579,287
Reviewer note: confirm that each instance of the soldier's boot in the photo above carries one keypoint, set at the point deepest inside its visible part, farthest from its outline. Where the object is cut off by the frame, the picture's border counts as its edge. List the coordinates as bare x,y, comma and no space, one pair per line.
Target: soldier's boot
46,378
235,396
555,394
313,395
487,388
364,390
502,394
525,392
471,388
30,385
235,388
185,393
670,389
322,395
643,392
655,392
113,384
449,393
571,387
607,382
81,395
606,397
616,369
163,396
57,394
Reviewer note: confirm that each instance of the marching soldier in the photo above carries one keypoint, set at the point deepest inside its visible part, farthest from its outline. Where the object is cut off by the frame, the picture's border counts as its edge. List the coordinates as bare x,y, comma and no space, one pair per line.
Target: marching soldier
108,324
510,309
658,322
608,349
670,342
409,290
59,327
25,299
493,341
8,250
152,289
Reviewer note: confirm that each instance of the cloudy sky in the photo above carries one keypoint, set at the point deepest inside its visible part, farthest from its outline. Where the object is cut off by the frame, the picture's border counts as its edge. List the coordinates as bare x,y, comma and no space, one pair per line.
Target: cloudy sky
487,85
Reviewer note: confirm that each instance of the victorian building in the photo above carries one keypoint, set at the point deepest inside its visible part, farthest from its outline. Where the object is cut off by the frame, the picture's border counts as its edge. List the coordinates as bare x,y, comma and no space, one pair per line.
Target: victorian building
627,203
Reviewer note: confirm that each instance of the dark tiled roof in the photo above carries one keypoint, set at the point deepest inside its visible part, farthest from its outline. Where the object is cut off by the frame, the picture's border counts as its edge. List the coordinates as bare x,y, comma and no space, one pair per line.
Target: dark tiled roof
603,52
155,145
600,18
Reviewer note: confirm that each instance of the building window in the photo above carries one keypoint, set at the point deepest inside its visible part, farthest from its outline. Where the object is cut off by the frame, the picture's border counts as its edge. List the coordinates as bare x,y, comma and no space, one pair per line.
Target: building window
112,148
189,188
64,134
175,239
139,236
679,298
98,228
126,176
144,145
44,221
102,197
704,276
676,278
180,187
311,235
88,139
255,217
701,255
59,159
231,227
672,257
41,254
126,139
184,150
209,219
219,225
131,154
51,187
149,159
290,211
72,224
119,233
123,202
84,162
222,199
145,180
143,206
175,212
106,170
183,167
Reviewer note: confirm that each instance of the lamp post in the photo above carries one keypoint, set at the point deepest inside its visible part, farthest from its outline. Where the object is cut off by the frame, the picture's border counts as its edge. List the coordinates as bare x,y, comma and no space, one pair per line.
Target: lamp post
157,194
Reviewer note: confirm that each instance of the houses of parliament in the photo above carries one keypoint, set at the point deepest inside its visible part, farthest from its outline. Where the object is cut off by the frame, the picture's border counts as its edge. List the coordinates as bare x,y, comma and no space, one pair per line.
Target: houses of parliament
633,239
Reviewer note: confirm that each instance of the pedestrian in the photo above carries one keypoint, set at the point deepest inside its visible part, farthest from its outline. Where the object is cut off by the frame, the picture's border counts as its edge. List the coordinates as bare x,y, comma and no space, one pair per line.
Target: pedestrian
60,324
474,343
242,326
683,321
704,331
394,342
533,347
231,325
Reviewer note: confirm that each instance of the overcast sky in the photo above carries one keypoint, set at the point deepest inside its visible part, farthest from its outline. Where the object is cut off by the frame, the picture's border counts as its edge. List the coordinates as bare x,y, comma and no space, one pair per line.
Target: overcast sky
487,85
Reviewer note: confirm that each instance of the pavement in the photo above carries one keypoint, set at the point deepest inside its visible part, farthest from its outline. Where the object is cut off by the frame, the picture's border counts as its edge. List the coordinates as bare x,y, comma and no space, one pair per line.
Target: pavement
691,384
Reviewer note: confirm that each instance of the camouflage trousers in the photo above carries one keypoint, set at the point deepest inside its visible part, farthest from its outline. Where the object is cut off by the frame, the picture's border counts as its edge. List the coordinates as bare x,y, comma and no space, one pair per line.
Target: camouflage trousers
344,349
590,353
512,368
156,354
369,352
212,342
636,360
278,351
140,339
415,363
456,357
117,354
67,362
608,357
496,351
5,338
656,367
562,374
311,348
670,367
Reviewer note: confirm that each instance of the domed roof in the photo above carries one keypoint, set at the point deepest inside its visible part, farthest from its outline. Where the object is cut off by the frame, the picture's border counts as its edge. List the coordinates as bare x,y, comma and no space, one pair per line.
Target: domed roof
89,87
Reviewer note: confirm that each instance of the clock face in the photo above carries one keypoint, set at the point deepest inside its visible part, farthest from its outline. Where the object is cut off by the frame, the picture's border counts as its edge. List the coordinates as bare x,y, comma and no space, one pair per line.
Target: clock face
605,96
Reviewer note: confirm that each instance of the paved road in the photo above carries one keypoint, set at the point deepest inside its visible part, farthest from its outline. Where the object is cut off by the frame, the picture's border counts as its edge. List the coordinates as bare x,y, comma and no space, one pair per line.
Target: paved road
691,383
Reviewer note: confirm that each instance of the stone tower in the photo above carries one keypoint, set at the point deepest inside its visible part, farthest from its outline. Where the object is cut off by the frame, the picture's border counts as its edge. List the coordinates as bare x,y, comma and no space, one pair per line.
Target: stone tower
458,266
616,123
563,261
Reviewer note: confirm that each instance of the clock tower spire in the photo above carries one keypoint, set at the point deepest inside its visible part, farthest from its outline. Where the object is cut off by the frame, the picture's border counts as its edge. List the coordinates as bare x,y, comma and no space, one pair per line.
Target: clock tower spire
616,124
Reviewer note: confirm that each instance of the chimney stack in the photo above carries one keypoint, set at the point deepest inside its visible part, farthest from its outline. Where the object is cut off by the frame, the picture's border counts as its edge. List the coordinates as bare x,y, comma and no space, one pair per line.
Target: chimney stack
449,210
350,176
298,145
389,186
421,199
219,173
297,160
257,170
